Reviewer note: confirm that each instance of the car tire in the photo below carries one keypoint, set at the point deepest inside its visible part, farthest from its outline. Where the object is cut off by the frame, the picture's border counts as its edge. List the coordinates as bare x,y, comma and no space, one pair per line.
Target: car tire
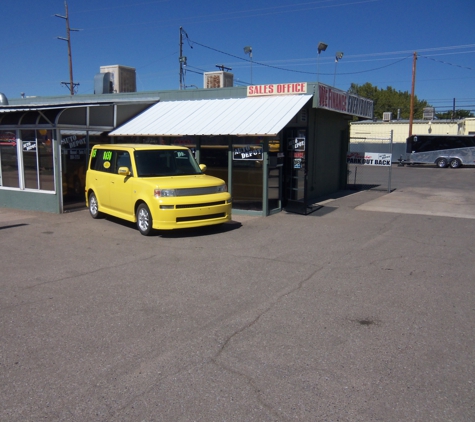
441,163
94,206
455,163
144,219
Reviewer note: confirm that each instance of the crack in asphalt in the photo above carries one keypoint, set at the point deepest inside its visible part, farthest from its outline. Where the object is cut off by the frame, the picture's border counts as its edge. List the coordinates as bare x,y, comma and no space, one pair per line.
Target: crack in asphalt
226,343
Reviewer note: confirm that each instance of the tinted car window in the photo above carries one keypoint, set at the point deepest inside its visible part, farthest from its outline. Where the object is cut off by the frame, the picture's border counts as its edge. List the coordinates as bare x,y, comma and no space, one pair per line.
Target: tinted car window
155,163
102,160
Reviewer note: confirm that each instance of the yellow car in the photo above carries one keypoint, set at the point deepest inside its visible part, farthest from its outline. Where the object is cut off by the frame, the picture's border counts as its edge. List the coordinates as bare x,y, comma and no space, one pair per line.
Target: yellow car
155,186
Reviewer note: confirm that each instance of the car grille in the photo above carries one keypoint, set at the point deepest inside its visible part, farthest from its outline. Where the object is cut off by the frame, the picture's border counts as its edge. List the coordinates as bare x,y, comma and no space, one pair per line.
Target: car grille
200,217
207,204
196,191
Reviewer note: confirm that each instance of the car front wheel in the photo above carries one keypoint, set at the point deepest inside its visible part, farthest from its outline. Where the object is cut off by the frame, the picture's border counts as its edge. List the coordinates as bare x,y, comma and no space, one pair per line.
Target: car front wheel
144,220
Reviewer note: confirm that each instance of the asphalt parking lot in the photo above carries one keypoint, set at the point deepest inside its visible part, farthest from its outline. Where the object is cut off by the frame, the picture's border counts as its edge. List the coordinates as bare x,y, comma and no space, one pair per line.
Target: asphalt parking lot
363,310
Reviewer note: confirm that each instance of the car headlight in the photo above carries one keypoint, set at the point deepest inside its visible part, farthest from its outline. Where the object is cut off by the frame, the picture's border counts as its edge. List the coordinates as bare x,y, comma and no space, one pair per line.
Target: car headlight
164,193
222,188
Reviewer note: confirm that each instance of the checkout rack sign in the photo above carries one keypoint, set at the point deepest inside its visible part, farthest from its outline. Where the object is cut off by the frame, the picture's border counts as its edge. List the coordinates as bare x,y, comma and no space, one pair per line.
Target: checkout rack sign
368,159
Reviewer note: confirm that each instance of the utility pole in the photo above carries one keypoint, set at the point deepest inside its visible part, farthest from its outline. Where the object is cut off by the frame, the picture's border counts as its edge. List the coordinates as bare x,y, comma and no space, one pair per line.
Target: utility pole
182,59
71,83
411,115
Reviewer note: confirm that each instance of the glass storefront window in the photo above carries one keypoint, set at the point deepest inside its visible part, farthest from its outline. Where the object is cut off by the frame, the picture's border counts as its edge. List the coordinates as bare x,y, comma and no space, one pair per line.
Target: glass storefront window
45,159
214,154
73,162
38,167
247,176
8,160
29,150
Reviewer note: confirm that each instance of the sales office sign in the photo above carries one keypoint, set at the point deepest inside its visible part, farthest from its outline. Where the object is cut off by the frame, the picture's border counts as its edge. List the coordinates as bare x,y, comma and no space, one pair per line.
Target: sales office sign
277,89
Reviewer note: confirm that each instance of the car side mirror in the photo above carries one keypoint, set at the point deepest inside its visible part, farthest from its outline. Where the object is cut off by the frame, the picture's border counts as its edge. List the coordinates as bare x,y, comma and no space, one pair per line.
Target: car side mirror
203,167
124,171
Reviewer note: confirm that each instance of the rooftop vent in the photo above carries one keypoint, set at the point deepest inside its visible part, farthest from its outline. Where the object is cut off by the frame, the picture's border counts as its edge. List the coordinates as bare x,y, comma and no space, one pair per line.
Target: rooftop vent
428,113
3,99
387,116
104,83
123,78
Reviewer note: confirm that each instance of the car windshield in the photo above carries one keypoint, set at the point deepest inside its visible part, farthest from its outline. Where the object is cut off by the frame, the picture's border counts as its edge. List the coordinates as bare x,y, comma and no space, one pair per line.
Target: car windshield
152,163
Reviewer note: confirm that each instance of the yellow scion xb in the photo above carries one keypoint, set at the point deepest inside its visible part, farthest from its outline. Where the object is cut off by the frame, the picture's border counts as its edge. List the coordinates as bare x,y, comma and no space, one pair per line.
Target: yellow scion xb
155,186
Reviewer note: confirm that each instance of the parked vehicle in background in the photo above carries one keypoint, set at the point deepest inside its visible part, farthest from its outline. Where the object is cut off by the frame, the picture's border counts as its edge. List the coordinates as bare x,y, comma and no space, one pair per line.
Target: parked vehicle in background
442,150
155,186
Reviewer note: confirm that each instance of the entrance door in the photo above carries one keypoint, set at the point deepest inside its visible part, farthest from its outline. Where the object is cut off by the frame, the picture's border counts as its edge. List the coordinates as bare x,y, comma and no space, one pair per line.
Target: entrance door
274,176
295,167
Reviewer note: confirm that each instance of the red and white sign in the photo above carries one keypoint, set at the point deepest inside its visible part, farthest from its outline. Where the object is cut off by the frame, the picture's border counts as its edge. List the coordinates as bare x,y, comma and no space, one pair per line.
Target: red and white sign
277,89
336,100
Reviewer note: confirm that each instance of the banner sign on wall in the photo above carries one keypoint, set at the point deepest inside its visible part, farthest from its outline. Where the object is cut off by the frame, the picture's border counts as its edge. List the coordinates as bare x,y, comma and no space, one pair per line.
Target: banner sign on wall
325,96
368,158
334,99
248,152
277,89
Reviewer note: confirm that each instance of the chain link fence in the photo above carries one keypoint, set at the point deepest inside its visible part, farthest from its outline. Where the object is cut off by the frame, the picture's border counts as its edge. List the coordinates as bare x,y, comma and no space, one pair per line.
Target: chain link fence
369,161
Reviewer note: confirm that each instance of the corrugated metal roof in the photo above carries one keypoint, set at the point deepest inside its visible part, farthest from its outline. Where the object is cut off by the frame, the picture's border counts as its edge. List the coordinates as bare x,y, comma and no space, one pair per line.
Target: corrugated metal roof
255,116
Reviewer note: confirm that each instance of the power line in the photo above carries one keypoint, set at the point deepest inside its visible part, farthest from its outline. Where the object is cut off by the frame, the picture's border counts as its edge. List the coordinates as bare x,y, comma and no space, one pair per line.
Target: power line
451,64
293,70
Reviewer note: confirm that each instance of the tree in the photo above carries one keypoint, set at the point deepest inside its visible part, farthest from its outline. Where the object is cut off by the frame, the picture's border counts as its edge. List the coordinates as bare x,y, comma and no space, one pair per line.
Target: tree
389,100
458,114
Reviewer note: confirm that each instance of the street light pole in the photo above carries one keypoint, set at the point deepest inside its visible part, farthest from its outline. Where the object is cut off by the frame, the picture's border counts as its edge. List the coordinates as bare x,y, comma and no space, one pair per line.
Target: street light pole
248,50
411,114
338,56
321,47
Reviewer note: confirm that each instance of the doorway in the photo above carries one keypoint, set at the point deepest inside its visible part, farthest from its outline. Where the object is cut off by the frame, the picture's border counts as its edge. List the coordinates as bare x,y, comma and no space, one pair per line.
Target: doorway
295,168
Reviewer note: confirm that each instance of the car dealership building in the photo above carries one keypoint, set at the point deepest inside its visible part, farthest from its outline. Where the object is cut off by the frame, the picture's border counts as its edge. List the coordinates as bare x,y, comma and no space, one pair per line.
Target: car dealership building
277,146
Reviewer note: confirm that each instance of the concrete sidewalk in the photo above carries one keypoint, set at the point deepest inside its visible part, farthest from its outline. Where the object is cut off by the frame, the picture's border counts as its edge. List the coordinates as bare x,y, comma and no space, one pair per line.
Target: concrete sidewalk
425,201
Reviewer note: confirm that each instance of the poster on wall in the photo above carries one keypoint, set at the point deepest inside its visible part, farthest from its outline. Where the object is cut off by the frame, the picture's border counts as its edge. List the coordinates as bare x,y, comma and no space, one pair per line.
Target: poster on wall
296,144
297,163
248,152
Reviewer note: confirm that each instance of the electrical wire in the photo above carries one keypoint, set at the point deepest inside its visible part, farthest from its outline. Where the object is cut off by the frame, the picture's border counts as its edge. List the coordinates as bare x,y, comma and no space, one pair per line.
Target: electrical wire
451,64
292,70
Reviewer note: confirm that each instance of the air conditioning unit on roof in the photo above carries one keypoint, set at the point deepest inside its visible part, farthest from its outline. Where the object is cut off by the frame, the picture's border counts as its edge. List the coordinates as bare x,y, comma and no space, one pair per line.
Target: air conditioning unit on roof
387,116
428,113
219,79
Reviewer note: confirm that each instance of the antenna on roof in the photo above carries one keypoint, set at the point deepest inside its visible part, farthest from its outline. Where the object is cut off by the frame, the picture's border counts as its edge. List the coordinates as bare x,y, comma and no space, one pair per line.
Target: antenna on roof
223,68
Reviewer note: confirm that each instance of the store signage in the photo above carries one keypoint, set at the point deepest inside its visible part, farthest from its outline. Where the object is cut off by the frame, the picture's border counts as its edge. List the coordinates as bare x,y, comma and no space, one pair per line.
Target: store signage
299,144
296,144
77,154
336,100
29,145
74,141
277,89
248,152
368,158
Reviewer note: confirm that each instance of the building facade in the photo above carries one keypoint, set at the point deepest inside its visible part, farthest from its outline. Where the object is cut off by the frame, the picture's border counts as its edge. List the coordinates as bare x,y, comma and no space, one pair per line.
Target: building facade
278,146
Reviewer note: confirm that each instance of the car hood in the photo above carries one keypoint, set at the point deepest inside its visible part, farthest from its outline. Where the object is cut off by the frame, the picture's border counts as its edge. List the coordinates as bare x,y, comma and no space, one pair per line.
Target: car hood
183,182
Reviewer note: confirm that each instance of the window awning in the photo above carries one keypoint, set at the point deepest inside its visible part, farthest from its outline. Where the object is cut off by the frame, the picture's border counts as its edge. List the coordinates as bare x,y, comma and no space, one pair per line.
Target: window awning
256,116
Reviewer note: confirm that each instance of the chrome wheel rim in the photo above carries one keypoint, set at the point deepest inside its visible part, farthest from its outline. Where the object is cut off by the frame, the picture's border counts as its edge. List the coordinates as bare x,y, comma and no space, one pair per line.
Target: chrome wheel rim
143,220
93,205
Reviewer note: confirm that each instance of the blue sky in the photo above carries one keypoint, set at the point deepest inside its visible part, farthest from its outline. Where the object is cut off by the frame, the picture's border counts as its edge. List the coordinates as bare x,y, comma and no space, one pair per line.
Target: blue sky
377,38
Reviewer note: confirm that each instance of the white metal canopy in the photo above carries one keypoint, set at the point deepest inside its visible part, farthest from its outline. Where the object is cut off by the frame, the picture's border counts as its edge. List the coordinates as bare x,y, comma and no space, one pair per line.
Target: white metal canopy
254,116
